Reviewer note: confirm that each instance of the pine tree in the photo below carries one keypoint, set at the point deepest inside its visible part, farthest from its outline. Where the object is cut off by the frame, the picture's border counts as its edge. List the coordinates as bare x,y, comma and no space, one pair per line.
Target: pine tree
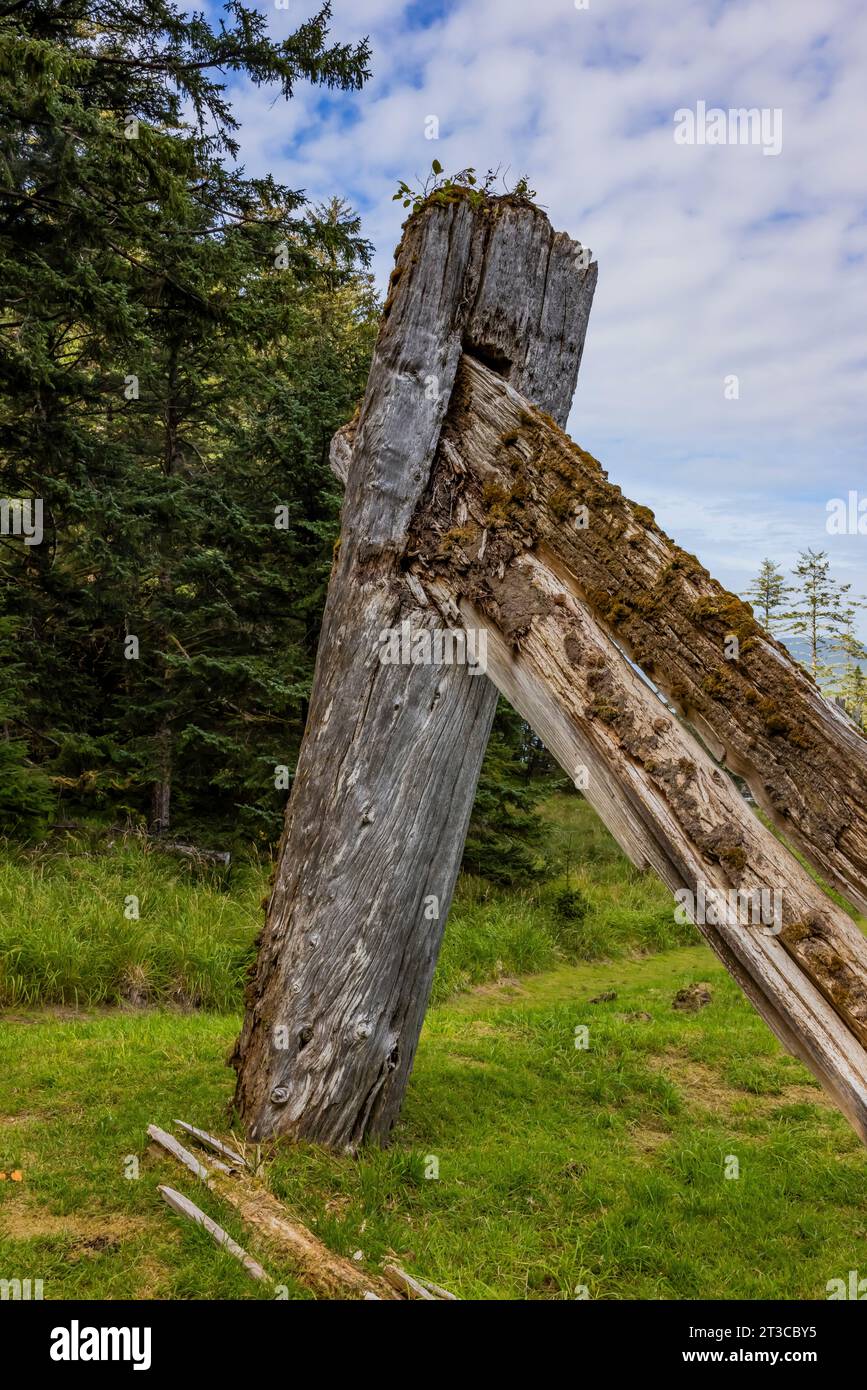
142,298
230,583
851,687
824,615
505,831
768,594
25,792
849,682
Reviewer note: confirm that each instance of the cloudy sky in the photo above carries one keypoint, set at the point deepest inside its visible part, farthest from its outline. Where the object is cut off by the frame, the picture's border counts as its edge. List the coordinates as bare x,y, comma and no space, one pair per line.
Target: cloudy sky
714,260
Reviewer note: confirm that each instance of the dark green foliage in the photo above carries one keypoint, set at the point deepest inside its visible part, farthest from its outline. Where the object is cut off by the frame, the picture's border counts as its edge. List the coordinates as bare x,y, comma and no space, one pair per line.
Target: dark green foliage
505,832
570,905
177,345
26,795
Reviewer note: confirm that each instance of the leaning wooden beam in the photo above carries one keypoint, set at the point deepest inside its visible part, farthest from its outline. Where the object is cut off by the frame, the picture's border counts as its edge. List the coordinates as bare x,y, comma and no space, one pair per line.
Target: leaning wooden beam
391,755
184,1207
757,708
492,550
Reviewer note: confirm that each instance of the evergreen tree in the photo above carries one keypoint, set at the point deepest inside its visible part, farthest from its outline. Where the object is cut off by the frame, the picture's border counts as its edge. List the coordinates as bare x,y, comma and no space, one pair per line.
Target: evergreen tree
505,832
849,682
230,576
852,689
25,792
824,614
141,343
769,594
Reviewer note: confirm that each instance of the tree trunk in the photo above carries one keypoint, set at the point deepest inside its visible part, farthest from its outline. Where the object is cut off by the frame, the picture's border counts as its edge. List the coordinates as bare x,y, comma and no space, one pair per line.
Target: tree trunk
502,544
161,788
391,755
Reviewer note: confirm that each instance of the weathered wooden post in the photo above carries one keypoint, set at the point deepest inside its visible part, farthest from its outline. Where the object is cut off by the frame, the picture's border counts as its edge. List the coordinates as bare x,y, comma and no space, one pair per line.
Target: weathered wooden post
391,756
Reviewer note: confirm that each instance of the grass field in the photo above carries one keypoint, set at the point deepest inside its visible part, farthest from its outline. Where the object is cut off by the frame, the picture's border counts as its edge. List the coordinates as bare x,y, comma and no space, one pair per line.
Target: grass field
90,922
560,1169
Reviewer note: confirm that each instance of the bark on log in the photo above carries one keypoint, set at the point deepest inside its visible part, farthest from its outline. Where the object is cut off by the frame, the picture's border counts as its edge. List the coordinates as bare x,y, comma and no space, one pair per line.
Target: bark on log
329,1275
761,715
391,755
497,539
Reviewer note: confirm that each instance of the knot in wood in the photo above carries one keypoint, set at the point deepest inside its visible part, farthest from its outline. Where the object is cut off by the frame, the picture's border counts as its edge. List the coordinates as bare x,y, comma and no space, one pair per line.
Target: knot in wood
279,1095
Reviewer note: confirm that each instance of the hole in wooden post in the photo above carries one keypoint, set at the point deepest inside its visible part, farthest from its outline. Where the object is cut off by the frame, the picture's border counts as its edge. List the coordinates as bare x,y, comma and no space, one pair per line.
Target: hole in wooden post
489,357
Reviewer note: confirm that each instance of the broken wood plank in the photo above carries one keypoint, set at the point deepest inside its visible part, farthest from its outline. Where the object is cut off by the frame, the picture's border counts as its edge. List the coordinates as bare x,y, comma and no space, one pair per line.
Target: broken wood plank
437,1290
405,1284
391,754
329,1275
189,1160
232,1157
414,1286
184,1207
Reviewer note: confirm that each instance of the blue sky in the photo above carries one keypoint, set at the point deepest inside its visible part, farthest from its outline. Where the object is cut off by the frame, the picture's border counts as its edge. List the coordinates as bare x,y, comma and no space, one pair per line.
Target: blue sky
713,260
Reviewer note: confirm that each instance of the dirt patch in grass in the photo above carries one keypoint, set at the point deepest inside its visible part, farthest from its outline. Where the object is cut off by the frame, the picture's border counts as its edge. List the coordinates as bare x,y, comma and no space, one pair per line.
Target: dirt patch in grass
504,985
466,1061
795,1094
152,1276
648,1140
94,1231
704,1088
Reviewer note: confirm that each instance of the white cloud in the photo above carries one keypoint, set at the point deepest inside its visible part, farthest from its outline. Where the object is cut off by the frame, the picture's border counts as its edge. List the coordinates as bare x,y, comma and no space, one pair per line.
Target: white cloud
713,260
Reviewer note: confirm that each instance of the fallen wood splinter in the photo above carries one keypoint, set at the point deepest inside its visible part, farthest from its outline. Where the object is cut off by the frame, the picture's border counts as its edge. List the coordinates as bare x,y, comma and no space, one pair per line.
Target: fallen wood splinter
329,1275
414,1286
232,1157
189,1160
406,1284
184,1207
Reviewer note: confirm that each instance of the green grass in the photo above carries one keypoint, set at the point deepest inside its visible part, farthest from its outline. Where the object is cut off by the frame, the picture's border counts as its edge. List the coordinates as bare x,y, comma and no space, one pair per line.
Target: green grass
557,1167
67,936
